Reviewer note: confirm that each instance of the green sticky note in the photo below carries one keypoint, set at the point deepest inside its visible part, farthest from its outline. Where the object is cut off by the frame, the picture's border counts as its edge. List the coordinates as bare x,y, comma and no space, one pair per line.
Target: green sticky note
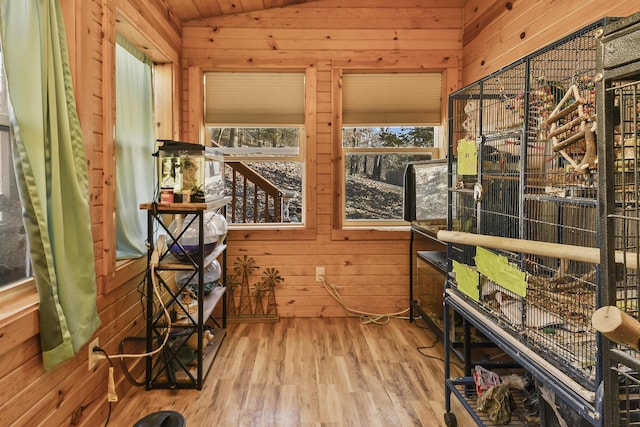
498,269
467,157
467,279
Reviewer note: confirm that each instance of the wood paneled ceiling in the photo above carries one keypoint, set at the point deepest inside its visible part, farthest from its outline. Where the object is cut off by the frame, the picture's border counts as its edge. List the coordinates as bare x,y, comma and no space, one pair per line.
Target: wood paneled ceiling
187,10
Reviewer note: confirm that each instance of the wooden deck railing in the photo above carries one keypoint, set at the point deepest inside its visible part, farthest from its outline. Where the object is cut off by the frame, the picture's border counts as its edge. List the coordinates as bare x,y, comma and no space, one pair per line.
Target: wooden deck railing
261,200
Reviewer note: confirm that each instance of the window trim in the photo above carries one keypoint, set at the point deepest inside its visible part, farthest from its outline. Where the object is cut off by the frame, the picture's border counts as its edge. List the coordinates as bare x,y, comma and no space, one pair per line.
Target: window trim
18,298
21,294
4,150
4,127
371,230
166,59
197,131
229,156
300,158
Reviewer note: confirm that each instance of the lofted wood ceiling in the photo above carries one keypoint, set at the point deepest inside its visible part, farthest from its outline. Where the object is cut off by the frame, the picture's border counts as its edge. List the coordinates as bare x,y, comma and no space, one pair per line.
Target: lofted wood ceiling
187,10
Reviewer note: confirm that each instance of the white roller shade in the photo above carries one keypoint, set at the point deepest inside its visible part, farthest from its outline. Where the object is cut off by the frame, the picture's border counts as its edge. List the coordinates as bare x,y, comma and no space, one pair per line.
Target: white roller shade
391,99
254,99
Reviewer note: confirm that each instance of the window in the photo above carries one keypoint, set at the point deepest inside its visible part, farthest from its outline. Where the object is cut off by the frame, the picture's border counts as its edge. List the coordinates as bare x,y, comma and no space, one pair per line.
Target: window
389,120
14,257
257,119
155,117
135,139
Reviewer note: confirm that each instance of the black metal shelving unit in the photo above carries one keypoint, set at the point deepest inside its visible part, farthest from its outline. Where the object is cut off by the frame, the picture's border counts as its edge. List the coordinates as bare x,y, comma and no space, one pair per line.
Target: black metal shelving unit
185,360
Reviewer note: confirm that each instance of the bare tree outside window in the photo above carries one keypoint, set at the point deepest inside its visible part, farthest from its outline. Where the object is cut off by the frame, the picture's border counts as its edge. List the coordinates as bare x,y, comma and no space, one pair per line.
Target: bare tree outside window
375,161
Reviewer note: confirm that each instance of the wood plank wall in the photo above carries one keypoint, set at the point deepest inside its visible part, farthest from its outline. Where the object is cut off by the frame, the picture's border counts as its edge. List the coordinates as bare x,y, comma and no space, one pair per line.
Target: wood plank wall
521,27
370,268
69,395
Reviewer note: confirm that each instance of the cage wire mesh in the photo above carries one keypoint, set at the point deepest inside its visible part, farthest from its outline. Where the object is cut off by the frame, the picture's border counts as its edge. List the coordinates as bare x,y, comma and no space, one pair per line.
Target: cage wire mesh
501,151
464,114
560,203
626,174
529,124
626,235
629,395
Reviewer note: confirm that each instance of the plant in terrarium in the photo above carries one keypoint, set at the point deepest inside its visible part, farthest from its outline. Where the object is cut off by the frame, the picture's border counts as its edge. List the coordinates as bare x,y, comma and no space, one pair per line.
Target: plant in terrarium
169,166
190,170
189,173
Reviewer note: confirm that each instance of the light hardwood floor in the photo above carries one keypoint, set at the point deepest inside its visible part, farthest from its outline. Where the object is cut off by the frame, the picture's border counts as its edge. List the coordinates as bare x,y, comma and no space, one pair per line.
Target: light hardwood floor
311,372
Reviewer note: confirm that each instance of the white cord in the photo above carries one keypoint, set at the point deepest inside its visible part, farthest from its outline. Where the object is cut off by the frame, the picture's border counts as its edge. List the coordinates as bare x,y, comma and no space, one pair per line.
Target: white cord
365,317
166,314
152,265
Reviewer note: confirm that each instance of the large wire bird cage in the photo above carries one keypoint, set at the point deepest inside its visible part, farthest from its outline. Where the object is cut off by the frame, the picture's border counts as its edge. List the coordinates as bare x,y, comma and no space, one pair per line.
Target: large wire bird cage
619,155
522,147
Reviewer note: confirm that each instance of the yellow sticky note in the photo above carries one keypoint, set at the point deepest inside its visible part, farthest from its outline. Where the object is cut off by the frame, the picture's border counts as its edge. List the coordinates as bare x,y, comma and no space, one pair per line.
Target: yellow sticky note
467,279
467,157
498,269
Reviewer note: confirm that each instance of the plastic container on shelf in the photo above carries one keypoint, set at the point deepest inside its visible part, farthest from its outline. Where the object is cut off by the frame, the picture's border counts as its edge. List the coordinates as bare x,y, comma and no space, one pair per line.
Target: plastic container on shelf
187,230
212,275
220,222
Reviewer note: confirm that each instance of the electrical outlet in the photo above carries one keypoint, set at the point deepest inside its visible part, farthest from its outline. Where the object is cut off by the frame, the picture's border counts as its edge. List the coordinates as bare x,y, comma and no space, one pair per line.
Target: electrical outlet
319,274
93,357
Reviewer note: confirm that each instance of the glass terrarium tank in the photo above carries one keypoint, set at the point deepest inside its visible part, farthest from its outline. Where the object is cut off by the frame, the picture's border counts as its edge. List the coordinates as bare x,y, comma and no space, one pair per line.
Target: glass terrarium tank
425,192
189,173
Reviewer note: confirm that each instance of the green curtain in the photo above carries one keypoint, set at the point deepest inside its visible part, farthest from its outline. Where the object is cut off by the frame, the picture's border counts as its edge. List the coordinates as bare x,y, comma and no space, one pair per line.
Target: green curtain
135,139
51,168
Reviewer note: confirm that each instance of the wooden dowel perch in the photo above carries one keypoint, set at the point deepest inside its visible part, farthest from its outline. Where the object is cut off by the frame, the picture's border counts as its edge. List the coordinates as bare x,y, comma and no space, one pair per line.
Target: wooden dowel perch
556,250
558,113
617,325
565,112
567,142
573,123
590,159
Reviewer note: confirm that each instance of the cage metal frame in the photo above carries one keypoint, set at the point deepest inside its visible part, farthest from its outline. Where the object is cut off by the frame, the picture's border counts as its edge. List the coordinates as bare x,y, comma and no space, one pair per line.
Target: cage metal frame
618,97
514,197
